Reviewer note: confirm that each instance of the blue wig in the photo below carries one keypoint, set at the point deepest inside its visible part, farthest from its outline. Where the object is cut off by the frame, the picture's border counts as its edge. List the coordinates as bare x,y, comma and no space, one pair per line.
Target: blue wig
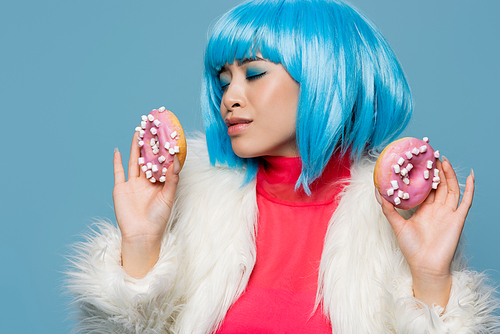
353,93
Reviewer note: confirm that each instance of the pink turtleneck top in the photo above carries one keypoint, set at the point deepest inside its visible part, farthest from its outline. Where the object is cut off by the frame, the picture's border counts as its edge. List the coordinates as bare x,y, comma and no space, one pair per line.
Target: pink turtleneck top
281,292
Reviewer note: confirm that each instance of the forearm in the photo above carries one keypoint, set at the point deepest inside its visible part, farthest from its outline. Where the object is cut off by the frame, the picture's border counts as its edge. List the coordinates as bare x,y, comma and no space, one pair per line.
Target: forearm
109,299
472,307
432,290
140,255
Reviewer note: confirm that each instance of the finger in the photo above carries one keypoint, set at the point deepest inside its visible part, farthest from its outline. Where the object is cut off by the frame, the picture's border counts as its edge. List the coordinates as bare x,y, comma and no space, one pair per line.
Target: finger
442,188
430,198
118,167
468,196
450,177
133,162
392,215
171,181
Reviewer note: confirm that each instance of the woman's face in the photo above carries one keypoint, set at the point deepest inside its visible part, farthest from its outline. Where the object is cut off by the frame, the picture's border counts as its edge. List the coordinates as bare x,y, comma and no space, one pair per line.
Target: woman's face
259,107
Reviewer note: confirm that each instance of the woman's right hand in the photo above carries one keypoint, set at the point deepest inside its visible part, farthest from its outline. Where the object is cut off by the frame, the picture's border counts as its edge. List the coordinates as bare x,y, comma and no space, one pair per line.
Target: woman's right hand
142,211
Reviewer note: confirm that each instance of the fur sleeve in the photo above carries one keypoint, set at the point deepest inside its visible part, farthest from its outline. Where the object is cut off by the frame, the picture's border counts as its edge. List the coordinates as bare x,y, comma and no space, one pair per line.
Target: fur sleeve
471,308
110,301
366,284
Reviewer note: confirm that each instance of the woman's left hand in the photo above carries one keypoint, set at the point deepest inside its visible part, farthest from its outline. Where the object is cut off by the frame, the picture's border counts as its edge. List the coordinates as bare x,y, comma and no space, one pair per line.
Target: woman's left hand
429,239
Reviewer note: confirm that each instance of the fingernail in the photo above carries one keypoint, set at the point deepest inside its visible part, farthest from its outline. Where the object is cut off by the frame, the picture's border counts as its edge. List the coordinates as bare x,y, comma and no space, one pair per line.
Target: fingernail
116,149
177,165
444,158
377,197
473,177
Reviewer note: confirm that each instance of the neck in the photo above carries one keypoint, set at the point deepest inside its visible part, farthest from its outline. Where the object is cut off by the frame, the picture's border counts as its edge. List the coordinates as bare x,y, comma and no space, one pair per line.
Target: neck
277,177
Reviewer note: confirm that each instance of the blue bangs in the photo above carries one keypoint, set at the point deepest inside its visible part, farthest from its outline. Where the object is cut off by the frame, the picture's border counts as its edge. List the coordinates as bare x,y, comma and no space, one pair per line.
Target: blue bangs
353,93
239,34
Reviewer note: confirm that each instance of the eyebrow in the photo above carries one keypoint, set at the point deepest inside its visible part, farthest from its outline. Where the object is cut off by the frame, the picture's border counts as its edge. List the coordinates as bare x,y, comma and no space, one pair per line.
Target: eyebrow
242,62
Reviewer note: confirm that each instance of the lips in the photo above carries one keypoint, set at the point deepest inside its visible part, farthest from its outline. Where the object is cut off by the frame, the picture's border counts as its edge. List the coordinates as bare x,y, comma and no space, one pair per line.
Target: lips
236,125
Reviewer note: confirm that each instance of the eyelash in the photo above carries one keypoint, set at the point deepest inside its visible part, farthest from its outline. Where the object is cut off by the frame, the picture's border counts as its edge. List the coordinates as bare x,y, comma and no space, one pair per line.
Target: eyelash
257,76
250,78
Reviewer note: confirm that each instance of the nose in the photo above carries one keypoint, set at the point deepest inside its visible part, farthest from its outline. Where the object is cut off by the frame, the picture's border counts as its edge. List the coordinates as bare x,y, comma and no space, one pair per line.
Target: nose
234,97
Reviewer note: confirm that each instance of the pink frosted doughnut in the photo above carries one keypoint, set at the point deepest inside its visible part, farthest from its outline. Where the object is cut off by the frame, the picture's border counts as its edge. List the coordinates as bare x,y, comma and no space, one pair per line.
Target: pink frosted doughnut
405,172
160,138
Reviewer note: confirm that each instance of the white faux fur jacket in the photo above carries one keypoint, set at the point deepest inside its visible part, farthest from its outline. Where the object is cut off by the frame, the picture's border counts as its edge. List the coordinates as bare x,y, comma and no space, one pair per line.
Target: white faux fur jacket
208,254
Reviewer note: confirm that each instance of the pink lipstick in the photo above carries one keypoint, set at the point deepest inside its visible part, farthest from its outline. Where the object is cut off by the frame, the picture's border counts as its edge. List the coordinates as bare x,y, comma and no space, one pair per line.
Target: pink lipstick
236,125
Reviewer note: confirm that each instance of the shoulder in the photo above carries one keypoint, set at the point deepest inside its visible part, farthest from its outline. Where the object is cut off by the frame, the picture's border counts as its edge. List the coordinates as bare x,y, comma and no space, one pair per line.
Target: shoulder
362,171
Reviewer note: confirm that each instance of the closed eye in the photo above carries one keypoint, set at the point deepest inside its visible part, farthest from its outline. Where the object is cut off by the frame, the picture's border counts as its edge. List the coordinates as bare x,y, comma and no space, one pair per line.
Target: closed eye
249,78
256,76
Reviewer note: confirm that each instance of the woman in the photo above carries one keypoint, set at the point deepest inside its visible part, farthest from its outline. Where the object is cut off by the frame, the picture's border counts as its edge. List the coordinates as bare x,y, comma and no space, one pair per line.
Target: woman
277,228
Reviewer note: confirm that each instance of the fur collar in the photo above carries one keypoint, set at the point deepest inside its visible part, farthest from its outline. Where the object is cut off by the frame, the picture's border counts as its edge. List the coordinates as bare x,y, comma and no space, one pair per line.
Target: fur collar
219,248
208,254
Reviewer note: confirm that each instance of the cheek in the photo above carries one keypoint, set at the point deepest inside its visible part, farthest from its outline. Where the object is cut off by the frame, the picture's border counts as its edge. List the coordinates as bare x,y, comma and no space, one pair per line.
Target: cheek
285,100
281,97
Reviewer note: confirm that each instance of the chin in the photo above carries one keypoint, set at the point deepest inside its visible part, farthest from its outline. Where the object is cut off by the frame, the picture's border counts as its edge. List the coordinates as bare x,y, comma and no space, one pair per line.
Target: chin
246,154
257,146
245,150
253,151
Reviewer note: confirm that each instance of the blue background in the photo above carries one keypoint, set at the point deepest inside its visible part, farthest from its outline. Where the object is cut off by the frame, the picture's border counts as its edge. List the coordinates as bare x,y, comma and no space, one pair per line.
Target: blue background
75,76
